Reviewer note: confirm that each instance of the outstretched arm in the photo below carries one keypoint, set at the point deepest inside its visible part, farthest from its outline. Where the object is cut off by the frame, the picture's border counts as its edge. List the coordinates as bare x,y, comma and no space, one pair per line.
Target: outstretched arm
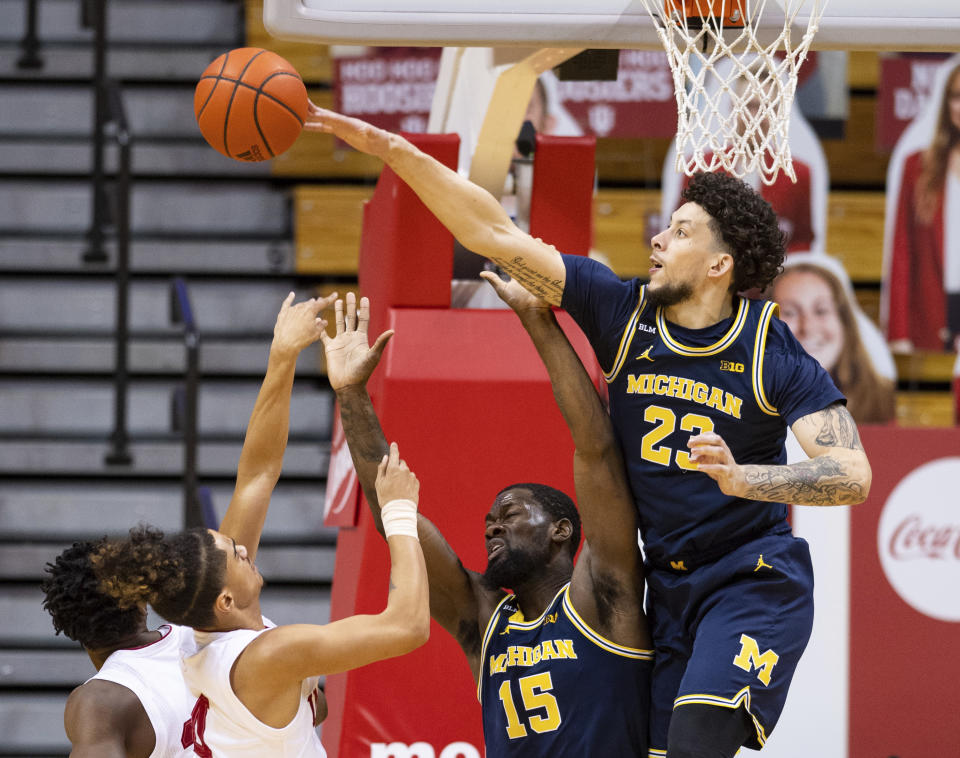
457,601
611,557
471,213
837,473
261,458
268,674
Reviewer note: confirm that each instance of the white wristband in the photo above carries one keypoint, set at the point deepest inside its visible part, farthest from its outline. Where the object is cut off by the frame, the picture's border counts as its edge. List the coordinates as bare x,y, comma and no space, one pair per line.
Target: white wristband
400,517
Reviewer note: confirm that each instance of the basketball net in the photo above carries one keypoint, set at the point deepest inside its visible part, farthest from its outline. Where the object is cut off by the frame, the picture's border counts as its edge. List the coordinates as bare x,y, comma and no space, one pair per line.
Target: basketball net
734,91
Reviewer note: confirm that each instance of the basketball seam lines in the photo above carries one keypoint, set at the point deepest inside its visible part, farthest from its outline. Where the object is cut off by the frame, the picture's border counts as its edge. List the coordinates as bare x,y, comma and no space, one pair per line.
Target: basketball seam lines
267,95
256,116
214,87
226,116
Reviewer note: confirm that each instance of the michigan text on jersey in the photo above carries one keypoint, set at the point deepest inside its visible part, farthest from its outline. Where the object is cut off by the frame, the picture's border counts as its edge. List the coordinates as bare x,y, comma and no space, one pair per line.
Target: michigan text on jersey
685,389
527,655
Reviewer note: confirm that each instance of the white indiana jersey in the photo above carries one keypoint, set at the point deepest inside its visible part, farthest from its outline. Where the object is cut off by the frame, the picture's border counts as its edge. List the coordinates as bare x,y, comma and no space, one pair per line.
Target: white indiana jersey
222,725
153,673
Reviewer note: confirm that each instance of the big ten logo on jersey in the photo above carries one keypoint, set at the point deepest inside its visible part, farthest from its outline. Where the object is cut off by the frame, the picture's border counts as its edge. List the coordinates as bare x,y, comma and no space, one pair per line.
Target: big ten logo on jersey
750,658
733,366
422,750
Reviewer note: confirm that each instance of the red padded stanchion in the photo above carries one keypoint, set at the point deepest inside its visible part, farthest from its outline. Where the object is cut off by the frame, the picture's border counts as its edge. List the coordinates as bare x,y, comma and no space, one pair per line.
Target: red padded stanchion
562,198
406,255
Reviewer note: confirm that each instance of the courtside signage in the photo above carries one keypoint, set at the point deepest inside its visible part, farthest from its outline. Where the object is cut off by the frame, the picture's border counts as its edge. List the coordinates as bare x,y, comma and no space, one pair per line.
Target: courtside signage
422,750
919,539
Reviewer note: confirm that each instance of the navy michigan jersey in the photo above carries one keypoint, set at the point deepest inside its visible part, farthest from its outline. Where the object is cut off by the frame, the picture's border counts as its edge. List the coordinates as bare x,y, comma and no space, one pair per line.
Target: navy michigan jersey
553,687
746,378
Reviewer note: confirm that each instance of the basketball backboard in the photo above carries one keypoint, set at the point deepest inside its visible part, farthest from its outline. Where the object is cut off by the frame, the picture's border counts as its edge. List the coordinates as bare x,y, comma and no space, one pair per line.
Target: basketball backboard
917,25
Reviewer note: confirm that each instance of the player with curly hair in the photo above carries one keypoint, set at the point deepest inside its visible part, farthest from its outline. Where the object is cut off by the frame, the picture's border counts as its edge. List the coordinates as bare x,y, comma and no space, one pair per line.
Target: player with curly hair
703,384
137,703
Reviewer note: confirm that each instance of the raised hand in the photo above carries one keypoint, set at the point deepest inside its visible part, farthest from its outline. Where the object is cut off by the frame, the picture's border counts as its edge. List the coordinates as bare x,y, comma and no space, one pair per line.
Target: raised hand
299,325
515,295
350,359
358,134
395,480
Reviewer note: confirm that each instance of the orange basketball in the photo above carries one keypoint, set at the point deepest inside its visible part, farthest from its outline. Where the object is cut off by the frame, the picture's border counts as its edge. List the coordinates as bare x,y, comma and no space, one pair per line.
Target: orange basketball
250,104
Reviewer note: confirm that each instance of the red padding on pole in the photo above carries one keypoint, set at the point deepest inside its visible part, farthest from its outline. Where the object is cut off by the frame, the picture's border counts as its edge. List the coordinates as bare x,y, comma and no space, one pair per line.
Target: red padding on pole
562,199
406,255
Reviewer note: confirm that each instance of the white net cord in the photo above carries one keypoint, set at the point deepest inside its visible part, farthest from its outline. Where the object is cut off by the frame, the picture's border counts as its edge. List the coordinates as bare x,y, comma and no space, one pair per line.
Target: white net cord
734,92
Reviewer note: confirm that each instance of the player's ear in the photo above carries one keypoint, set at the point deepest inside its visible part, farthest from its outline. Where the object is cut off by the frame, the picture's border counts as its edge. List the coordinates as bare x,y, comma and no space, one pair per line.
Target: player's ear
224,603
722,265
562,530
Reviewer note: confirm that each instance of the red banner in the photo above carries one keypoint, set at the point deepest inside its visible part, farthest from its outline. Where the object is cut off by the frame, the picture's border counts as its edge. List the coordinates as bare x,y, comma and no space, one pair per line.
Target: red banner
391,87
905,82
904,602
640,103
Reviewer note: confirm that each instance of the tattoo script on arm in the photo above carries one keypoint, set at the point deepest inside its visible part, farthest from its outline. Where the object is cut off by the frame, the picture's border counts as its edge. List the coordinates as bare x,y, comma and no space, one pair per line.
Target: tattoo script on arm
533,281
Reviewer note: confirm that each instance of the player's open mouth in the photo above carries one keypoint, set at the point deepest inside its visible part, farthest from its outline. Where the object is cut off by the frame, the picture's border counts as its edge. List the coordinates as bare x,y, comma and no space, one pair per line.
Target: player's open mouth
494,547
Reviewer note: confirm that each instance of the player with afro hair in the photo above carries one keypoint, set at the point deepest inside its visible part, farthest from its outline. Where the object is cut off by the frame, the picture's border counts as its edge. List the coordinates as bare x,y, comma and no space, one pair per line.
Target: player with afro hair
80,609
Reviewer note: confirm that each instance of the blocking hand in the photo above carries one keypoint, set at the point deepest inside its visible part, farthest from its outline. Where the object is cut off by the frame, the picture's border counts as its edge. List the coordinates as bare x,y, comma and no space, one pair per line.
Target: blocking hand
350,360
299,325
358,134
515,295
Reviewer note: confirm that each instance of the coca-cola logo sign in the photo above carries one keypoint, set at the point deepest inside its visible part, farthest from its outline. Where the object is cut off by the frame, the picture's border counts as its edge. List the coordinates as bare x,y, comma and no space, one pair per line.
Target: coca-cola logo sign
919,539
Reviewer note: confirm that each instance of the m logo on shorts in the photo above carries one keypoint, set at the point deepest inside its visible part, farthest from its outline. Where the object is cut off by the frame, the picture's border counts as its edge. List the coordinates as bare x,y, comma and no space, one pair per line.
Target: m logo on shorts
750,658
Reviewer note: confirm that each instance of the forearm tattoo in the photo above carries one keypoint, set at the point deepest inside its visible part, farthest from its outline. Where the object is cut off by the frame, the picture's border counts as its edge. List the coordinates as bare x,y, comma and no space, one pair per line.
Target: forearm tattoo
362,427
550,290
818,481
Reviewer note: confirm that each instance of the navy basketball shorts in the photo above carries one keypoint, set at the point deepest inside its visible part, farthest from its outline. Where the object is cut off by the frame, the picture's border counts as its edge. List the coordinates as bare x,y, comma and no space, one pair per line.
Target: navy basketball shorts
730,633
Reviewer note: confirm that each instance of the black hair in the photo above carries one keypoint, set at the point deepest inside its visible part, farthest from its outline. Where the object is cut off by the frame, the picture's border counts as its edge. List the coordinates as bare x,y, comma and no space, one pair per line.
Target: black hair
557,504
181,576
79,608
746,225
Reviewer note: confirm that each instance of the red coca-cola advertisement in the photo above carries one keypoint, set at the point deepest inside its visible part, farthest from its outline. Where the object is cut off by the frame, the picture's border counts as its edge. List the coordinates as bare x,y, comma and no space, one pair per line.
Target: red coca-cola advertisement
904,597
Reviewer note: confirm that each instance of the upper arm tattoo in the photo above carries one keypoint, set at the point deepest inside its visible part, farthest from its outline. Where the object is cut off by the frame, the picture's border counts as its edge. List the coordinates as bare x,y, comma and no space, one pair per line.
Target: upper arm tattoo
837,428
